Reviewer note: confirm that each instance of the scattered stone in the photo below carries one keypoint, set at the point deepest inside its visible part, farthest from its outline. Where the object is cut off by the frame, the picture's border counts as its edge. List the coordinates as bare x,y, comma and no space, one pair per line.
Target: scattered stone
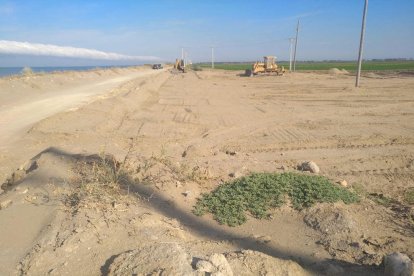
398,264
343,183
187,193
235,174
205,266
5,204
178,184
190,150
231,152
309,166
30,166
262,239
215,264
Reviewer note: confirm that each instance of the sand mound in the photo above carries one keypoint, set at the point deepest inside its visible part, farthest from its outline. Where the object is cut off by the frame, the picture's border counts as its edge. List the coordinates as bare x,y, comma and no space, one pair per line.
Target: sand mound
336,71
173,259
372,75
248,262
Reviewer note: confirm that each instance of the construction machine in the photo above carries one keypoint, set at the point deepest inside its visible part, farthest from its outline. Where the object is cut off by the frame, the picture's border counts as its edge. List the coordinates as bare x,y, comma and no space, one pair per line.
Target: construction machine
179,65
267,66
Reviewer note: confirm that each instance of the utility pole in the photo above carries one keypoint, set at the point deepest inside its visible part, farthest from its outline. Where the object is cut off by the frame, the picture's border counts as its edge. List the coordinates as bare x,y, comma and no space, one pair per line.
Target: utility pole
212,57
291,53
361,44
296,46
182,53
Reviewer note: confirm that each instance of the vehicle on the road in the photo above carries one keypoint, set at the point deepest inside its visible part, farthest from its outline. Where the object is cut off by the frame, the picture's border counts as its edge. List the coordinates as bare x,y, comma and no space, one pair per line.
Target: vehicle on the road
157,66
180,65
267,66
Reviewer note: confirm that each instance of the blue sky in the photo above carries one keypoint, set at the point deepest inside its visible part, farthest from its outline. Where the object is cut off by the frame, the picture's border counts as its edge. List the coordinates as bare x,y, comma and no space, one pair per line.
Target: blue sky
240,30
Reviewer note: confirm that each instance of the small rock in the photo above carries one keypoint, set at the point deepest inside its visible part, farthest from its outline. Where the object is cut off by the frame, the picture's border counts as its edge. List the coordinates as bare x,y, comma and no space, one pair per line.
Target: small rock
30,166
235,174
178,184
5,204
262,239
205,266
398,264
343,183
187,193
216,264
231,152
309,166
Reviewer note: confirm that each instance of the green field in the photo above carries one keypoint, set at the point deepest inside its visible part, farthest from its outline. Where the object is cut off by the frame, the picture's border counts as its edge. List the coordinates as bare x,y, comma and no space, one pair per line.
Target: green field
350,66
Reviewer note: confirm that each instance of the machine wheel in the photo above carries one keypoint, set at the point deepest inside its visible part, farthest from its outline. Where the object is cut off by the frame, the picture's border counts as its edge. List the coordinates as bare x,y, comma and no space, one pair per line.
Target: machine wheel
249,73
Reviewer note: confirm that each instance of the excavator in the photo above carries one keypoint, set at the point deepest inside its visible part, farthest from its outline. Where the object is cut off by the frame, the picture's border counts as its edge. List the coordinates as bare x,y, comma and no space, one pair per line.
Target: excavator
179,65
267,66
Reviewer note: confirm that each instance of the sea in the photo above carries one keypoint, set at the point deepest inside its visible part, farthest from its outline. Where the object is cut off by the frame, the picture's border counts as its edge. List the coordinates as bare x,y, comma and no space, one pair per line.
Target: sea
10,71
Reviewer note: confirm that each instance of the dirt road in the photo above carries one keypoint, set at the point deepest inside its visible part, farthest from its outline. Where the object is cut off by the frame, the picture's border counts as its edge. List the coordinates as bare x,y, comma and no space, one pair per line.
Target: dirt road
18,114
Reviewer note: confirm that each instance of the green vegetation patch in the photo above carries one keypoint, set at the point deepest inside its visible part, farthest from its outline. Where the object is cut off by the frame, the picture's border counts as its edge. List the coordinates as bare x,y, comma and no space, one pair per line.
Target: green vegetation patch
409,196
259,192
391,65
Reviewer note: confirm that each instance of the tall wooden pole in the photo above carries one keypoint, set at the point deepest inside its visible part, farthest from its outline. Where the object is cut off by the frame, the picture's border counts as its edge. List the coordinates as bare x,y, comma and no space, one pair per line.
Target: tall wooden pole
212,57
361,44
291,53
296,46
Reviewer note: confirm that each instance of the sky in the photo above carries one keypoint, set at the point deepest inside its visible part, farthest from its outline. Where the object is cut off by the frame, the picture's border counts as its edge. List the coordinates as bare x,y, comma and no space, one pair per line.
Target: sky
104,32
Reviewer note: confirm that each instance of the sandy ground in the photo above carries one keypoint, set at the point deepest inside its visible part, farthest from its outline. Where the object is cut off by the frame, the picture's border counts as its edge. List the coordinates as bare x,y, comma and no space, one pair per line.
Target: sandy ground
27,100
179,135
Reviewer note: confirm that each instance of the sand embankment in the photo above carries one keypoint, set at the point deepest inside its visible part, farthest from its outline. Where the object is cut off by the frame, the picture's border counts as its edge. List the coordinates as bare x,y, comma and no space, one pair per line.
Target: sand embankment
28,99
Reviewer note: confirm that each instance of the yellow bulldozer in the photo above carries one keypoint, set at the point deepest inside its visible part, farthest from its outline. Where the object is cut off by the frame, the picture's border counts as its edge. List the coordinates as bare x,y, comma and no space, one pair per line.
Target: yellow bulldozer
267,66
179,65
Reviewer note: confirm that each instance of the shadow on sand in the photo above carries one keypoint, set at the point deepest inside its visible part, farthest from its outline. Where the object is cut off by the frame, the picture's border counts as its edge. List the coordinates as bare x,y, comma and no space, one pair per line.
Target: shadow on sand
211,230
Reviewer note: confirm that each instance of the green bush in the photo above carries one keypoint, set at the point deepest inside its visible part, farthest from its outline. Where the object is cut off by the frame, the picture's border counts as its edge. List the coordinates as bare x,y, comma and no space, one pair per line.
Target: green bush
260,192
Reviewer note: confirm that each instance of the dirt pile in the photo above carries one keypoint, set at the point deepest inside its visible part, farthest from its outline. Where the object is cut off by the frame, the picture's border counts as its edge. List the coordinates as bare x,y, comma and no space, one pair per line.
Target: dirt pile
336,71
248,262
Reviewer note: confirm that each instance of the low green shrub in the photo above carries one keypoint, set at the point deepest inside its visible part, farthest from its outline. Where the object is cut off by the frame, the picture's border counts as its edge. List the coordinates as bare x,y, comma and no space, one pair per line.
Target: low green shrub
259,192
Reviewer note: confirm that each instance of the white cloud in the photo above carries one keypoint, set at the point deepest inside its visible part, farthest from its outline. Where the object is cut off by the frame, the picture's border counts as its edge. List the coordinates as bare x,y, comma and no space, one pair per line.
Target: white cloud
26,48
